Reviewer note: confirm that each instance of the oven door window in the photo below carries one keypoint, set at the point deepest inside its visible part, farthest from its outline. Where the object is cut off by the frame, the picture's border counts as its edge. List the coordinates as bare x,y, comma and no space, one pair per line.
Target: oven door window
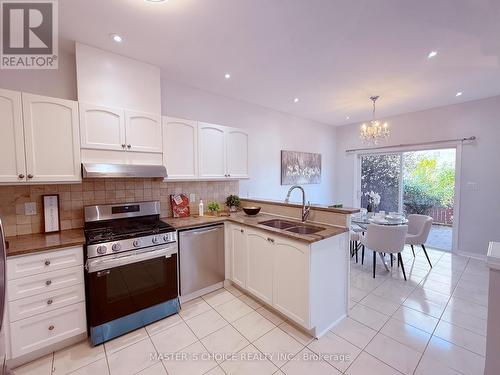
126,289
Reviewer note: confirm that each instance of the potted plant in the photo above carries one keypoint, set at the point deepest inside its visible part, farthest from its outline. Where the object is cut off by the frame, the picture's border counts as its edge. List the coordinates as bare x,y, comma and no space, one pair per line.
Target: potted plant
233,202
214,208
373,201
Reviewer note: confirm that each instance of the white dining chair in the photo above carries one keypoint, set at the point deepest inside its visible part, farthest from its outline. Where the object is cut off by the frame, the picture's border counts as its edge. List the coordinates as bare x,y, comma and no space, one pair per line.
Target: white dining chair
354,233
419,227
353,241
389,239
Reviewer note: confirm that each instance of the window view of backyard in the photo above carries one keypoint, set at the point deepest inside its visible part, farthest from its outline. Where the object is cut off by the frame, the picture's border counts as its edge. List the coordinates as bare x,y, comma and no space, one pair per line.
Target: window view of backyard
421,182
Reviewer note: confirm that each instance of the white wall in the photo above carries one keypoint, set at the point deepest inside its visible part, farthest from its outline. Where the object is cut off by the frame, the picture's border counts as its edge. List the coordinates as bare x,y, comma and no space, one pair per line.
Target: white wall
270,132
479,210
112,80
59,83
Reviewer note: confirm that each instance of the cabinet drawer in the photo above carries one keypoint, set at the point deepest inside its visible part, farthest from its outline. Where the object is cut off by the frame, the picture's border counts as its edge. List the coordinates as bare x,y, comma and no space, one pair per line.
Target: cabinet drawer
45,282
45,302
46,329
33,264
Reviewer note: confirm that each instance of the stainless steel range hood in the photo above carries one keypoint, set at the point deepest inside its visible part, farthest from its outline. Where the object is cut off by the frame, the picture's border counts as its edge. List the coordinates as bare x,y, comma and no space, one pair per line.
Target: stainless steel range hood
102,170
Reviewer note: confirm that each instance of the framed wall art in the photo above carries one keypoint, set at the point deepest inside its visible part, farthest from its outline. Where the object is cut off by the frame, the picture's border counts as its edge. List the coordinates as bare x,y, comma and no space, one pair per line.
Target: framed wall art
299,168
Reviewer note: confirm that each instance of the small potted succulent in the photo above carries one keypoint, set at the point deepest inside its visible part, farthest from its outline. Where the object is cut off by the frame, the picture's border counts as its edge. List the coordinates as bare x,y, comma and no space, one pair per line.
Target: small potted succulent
214,208
233,202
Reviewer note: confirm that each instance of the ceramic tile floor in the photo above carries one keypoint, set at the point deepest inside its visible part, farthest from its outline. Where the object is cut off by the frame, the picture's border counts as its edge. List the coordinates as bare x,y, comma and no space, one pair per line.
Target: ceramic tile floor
434,323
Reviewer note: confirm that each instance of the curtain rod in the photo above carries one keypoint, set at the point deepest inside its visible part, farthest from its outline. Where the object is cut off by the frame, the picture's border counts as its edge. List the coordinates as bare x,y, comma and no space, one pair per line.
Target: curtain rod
467,139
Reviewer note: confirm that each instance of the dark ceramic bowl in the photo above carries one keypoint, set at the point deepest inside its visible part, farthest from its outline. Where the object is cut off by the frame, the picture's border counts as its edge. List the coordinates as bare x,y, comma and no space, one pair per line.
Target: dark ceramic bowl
251,210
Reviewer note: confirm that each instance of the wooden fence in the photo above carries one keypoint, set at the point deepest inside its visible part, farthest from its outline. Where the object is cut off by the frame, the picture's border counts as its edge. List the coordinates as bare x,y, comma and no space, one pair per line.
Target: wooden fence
442,215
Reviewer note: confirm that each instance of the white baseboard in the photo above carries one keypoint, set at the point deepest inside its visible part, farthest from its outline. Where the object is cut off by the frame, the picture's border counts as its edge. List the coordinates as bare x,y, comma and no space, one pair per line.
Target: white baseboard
470,254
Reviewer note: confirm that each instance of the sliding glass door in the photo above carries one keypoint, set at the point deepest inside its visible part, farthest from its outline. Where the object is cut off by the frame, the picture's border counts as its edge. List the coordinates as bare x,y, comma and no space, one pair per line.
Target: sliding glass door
413,182
381,173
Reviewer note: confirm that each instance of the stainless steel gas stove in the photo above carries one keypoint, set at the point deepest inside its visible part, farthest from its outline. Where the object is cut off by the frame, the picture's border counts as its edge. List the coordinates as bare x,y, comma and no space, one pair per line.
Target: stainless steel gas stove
131,268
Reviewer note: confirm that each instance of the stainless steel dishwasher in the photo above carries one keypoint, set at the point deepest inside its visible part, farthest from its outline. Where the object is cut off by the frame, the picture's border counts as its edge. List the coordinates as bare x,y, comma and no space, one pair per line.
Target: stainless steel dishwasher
201,258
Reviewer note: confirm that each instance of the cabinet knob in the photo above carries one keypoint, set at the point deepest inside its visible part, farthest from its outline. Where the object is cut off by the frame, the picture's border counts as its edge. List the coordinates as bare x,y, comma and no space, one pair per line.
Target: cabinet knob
241,230
30,176
20,175
228,175
49,301
48,282
47,262
124,145
129,146
51,327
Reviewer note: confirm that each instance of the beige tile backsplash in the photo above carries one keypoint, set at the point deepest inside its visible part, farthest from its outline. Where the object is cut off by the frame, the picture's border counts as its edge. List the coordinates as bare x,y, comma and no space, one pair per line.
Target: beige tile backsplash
73,197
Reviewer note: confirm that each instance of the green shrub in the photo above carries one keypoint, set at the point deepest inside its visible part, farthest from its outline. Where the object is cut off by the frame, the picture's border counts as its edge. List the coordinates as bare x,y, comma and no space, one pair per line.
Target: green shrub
417,198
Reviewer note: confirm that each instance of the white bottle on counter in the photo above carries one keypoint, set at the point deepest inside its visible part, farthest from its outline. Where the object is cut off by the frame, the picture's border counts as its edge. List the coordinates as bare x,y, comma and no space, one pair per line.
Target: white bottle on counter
200,208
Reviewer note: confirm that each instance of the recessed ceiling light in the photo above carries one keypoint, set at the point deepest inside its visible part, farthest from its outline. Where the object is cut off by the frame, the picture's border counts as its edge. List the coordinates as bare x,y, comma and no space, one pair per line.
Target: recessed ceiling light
347,117
296,100
117,38
432,54
227,76
459,93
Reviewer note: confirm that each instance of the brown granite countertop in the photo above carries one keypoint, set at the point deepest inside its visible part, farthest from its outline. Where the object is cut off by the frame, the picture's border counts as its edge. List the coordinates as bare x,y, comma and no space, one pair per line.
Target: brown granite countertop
319,207
253,221
32,243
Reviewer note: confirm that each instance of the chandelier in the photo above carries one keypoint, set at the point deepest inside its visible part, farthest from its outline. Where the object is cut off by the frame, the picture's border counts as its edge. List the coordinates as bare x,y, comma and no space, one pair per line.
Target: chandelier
374,130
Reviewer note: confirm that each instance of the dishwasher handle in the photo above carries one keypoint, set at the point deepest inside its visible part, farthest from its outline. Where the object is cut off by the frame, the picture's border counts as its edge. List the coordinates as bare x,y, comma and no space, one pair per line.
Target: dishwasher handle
199,231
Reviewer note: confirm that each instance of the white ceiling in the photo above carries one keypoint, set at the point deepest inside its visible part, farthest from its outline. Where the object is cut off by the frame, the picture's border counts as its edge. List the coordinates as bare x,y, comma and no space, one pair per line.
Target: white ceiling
331,54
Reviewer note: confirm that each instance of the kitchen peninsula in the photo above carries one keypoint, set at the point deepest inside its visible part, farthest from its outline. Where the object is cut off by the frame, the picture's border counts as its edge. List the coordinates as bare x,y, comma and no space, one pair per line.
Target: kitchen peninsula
304,276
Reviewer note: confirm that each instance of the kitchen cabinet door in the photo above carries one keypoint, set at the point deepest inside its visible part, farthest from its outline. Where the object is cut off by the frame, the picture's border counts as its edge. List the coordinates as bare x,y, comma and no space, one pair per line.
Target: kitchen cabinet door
12,157
143,132
239,255
291,280
236,153
52,139
212,151
260,265
180,148
102,128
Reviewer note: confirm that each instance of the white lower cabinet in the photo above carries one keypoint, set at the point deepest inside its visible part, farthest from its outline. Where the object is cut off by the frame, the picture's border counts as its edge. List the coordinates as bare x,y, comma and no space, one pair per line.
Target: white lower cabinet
239,255
260,265
39,331
306,282
291,279
46,302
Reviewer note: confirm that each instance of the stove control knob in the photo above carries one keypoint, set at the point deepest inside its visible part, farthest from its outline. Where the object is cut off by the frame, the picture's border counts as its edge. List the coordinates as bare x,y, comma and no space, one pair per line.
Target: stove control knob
116,247
101,249
137,243
155,239
166,238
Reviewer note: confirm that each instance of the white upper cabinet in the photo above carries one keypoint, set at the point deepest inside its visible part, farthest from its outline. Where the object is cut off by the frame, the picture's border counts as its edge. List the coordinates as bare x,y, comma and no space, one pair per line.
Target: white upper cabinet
12,156
143,132
180,148
212,150
223,152
116,129
102,128
236,153
52,139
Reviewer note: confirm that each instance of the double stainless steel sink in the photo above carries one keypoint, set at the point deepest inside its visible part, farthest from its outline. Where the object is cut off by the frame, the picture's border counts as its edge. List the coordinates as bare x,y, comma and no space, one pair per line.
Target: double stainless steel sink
291,226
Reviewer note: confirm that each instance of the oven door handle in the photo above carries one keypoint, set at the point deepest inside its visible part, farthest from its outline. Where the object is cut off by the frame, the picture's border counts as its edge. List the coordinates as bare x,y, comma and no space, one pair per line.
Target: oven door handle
94,265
